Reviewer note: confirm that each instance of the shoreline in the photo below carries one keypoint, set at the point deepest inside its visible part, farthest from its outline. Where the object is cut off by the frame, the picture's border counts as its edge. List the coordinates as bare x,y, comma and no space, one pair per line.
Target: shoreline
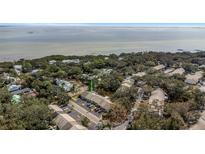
96,54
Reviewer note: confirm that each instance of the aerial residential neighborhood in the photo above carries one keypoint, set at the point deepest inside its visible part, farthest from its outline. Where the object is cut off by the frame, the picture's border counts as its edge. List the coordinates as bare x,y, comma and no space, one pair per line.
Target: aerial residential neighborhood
96,77
126,91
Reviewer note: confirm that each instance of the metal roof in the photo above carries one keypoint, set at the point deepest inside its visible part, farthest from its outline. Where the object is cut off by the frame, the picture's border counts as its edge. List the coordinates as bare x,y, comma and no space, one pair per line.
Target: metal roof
100,100
65,122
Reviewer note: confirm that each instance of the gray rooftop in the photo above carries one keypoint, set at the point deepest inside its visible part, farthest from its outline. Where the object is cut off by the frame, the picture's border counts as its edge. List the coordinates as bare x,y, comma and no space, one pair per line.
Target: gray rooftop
194,78
65,122
100,100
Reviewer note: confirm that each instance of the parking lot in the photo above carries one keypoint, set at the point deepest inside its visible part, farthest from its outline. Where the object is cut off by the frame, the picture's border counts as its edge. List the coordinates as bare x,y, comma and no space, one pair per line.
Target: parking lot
97,111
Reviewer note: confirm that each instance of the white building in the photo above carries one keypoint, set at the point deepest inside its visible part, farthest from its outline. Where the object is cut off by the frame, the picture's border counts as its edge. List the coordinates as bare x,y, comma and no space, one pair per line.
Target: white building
68,61
18,69
67,86
51,62
128,82
202,88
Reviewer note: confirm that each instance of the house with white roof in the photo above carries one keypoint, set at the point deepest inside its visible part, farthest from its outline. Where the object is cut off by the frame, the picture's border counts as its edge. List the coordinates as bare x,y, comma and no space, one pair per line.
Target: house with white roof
202,88
68,61
18,69
67,86
51,62
128,82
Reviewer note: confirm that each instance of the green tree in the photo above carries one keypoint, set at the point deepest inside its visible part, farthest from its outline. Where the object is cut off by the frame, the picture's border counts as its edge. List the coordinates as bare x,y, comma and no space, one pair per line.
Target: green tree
5,96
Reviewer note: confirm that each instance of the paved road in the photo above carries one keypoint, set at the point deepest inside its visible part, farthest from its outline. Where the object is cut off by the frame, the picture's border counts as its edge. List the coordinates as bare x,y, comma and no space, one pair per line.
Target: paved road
84,112
200,125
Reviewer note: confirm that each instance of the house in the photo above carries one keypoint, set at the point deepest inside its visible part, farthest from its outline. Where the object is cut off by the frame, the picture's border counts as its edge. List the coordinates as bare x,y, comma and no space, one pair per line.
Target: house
106,71
68,61
156,101
194,78
65,122
35,71
96,99
202,88
67,86
106,58
101,72
179,71
8,78
18,69
139,74
128,82
120,58
202,66
12,88
159,67
51,62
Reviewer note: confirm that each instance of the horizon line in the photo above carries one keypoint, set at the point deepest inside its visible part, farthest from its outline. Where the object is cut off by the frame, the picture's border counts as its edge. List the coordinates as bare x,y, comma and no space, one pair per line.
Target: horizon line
110,24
